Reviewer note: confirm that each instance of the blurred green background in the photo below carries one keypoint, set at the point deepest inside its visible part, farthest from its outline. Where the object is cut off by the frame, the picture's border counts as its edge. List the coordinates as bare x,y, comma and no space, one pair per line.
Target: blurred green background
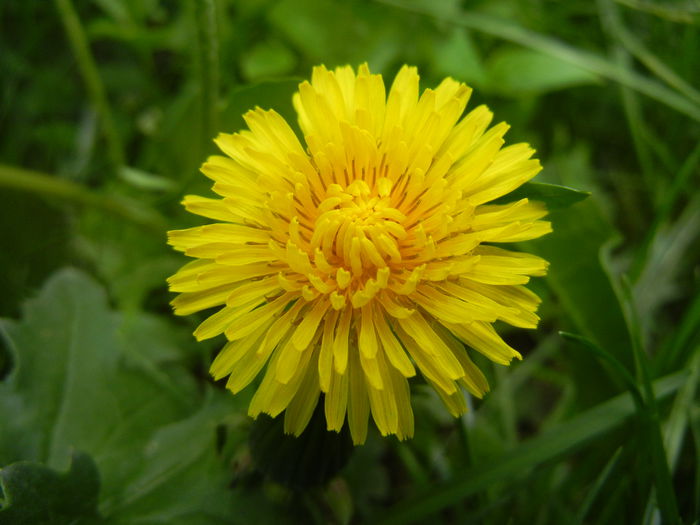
107,109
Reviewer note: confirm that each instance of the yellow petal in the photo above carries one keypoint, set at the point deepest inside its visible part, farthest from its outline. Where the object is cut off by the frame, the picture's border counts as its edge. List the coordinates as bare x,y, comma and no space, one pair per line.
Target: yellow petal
336,401
417,327
187,303
253,320
383,401
483,338
308,327
340,342
301,408
358,403
392,348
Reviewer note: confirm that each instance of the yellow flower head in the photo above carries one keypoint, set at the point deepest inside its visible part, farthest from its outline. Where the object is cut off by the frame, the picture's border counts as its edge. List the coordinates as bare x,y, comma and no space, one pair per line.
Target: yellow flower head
344,264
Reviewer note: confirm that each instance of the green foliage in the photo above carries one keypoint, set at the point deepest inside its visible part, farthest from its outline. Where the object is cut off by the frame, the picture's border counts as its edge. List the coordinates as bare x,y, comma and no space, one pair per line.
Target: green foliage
150,432
109,108
555,197
36,494
519,72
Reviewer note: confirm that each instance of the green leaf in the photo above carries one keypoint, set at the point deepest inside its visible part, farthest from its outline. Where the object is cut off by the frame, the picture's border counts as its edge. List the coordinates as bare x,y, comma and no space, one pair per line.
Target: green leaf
268,59
271,94
597,486
579,281
622,373
542,43
70,384
561,439
666,261
34,493
80,381
556,197
456,56
180,479
516,71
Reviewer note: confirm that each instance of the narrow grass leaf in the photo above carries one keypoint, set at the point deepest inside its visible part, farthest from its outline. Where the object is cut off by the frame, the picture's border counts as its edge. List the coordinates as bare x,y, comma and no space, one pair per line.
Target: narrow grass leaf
592,62
556,197
616,365
561,439
677,423
596,488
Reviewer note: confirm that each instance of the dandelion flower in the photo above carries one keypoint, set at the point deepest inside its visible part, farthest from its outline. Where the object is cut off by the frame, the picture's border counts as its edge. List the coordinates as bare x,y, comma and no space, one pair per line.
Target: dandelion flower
348,263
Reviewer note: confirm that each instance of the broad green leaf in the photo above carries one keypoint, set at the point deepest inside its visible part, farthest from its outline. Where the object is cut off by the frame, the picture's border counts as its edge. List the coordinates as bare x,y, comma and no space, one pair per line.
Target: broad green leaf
272,94
36,494
561,439
71,384
155,338
516,71
180,479
268,59
79,382
577,278
457,56
556,197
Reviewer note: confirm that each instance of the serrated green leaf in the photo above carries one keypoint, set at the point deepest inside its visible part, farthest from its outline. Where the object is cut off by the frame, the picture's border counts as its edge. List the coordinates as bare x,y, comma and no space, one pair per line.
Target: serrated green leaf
556,197
70,381
74,385
34,493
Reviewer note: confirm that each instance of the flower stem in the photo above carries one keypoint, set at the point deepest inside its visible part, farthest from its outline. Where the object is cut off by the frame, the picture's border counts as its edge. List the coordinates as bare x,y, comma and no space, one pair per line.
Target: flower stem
52,186
208,66
91,78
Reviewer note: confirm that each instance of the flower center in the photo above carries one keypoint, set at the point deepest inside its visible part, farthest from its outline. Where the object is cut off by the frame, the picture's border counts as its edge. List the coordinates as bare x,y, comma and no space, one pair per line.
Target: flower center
357,228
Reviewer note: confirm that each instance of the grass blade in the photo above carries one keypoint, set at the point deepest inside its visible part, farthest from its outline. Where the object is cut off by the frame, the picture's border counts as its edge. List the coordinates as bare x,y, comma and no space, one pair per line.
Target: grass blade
662,475
559,440
618,367
585,60
208,65
644,55
91,77
596,488
677,424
